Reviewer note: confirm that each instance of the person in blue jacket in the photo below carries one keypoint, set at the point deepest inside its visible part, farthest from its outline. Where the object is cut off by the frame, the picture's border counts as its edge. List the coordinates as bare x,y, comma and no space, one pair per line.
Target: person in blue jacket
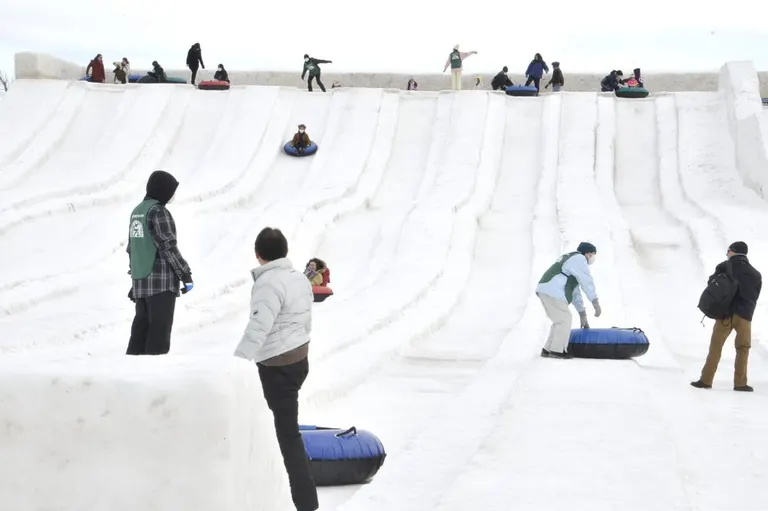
558,288
535,71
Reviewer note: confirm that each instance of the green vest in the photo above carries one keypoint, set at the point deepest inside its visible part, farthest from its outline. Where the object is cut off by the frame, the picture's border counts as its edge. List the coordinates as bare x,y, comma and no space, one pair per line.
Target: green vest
455,59
557,269
143,249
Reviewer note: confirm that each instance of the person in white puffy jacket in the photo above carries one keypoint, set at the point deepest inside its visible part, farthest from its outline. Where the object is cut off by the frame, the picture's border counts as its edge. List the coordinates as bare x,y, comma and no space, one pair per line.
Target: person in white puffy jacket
122,70
277,339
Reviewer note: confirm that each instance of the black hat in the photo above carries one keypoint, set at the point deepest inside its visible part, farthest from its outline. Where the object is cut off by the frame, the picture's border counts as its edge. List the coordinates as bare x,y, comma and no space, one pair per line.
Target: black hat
739,247
586,248
161,186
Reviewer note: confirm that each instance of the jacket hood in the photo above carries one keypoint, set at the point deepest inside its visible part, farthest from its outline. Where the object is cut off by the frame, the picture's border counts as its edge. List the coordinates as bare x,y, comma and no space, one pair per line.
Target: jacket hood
282,263
161,186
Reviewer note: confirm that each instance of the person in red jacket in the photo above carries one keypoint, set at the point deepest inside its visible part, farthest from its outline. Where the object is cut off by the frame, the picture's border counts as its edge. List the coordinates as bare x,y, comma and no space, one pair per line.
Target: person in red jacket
95,70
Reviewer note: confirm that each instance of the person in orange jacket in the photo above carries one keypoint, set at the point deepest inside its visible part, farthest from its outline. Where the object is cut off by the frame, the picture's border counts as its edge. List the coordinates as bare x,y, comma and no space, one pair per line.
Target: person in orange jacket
95,70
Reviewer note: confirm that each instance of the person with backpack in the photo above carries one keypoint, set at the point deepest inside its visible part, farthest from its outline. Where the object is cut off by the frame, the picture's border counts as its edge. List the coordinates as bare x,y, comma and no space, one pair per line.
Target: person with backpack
558,288
456,60
730,299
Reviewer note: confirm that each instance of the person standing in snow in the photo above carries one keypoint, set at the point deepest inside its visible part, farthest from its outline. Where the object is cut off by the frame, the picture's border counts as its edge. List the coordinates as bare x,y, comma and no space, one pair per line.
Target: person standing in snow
557,80
501,80
195,60
558,288
122,70
456,60
95,70
535,71
156,267
741,310
311,66
277,340
412,84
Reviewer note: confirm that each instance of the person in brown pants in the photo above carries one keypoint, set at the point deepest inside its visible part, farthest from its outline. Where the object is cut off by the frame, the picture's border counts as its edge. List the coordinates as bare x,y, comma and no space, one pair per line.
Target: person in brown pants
741,311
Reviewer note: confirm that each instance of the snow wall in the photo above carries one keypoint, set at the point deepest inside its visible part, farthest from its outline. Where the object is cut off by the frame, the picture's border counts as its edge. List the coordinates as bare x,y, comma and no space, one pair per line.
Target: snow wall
128,433
40,65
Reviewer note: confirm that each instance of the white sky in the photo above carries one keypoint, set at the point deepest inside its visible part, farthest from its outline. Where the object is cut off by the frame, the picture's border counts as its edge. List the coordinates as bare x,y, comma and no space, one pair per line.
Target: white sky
400,35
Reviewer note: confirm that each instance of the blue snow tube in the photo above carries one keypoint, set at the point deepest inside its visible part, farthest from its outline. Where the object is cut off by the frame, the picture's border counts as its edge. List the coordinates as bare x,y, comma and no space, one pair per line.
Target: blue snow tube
338,456
292,151
521,90
613,343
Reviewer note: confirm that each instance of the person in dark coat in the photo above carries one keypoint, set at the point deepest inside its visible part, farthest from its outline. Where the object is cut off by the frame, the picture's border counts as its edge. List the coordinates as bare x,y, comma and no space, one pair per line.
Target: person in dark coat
157,73
501,80
95,70
311,66
195,60
557,80
612,82
535,71
221,74
301,140
156,267
741,311
412,84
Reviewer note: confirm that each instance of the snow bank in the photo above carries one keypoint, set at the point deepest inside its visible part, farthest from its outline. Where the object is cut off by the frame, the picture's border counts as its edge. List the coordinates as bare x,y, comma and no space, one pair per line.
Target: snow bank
740,84
39,65
128,433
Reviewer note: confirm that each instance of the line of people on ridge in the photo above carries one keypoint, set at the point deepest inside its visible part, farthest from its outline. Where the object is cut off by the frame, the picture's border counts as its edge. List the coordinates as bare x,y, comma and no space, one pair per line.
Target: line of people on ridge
561,284
277,334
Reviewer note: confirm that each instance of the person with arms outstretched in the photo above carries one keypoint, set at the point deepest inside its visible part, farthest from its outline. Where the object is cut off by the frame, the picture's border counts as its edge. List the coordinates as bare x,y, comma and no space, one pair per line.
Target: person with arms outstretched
312,66
456,61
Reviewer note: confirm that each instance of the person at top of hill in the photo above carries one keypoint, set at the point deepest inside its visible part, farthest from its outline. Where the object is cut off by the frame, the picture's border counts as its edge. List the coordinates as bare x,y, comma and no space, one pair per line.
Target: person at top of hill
312,66
95,70
221,74
158,73
501,80
557,80
157,268
277,339
195,60
122,70
738,316
635,80
612,82
535,71
558,288
301,140
456,61
412,84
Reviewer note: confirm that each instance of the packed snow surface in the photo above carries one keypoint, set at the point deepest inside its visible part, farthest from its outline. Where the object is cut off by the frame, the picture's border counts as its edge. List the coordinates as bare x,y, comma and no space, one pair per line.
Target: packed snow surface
437,213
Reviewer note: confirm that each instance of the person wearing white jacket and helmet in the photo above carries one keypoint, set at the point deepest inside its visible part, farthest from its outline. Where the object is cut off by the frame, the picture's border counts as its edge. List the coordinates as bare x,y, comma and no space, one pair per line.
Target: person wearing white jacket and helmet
277,339
560,286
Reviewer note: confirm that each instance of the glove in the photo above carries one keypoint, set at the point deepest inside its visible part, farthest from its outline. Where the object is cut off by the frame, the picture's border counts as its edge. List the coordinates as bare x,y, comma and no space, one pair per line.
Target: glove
188,284
596,305
130,295
583,319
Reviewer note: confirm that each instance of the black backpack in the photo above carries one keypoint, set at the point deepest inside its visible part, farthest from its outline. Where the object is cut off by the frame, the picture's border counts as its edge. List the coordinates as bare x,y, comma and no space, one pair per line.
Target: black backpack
715,301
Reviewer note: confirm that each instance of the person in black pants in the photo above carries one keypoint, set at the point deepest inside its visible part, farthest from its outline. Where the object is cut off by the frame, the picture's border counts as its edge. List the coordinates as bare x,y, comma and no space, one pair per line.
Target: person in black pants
311,66
277,339
157,268
195,60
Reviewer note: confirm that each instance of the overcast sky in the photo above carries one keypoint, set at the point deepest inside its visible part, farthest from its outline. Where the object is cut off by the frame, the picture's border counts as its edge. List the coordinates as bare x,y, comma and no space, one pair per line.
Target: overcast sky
398,35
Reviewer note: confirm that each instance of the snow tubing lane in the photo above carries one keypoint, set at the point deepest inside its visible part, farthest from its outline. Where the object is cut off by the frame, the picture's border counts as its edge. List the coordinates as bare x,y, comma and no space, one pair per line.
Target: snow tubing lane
213,85
608,343
321,292
632,92
521,90
338,457
292,151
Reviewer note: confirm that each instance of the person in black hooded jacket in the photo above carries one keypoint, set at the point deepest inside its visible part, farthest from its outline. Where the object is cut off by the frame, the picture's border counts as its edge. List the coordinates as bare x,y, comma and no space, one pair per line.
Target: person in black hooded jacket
195,60
740,319
156,267
501,80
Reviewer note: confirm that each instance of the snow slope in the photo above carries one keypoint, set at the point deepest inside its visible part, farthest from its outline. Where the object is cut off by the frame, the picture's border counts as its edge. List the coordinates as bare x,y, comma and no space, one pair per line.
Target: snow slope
437,212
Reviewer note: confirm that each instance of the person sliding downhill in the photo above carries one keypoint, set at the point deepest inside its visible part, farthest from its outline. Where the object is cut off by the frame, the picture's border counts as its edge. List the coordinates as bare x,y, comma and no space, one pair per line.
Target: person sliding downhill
558,288
301,139
195,60
311,66
455,60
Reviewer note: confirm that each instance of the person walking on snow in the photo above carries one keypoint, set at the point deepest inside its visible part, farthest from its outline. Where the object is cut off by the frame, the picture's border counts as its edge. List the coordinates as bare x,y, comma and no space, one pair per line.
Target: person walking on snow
739,318
535,71
95,70
277,340
557,80
455,60
311,66
195,60
122,70
156,268
558,288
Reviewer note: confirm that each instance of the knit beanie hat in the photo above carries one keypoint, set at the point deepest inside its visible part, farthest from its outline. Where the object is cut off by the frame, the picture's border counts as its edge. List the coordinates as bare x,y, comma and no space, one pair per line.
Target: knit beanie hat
739,247
586,248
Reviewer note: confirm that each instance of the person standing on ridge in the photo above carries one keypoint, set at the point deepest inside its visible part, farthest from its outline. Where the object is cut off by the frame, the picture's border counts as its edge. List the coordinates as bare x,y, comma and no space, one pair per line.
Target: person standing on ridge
311,66
156,268
738,316
456,60
557,80
558,288
535,71
277,340
195,60
95,70
501,80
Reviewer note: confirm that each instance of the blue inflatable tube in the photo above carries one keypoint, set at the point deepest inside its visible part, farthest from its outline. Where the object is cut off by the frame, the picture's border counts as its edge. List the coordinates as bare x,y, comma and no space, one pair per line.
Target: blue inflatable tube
611,343
338,456
292,151
521,90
